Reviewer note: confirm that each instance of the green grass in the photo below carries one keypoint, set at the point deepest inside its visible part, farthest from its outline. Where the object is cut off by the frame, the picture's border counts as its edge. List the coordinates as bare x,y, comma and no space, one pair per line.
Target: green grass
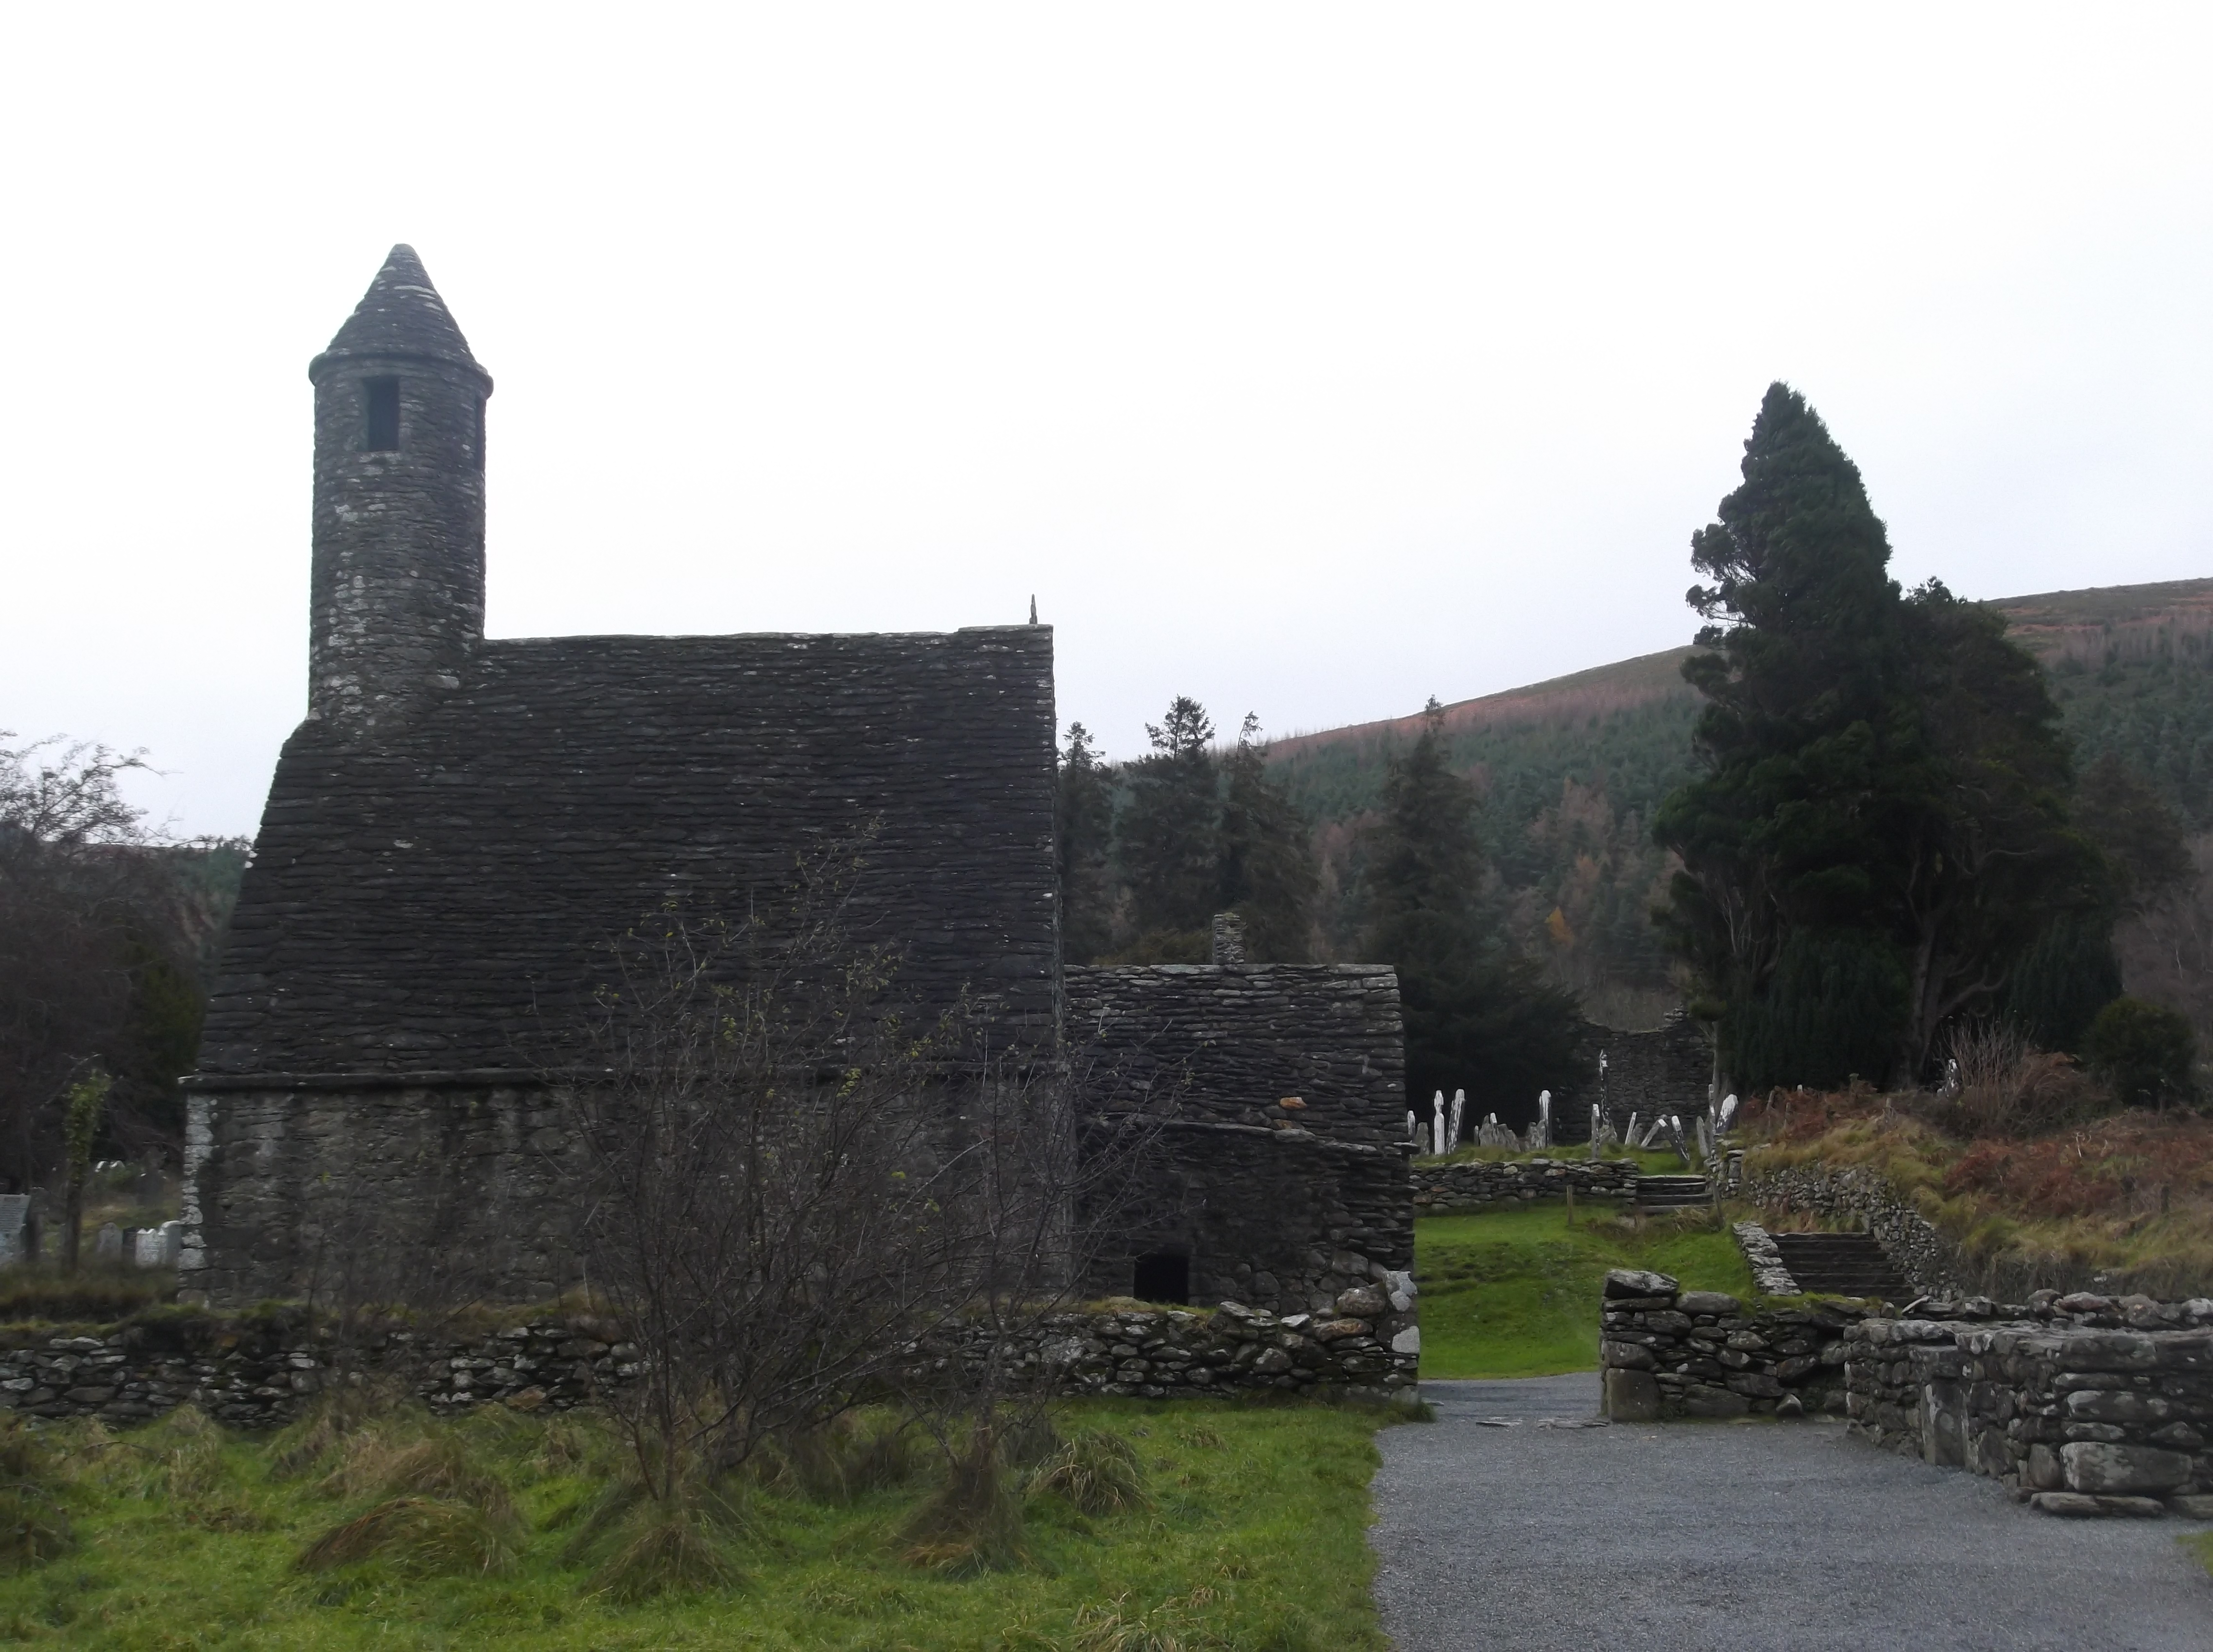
1250,1534
2200,1544
1515,1293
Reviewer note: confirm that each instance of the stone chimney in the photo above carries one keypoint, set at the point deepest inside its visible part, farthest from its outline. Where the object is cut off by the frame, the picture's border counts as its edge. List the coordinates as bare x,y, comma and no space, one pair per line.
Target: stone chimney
1228,939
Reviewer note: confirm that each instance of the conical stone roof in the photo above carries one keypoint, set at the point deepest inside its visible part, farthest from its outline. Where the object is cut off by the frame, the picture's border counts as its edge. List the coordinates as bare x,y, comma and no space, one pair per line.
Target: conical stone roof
401,316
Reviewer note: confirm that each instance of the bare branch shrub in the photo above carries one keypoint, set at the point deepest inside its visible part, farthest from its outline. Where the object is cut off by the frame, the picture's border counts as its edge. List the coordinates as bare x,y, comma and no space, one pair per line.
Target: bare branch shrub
771,1181
2007,1087
801,1197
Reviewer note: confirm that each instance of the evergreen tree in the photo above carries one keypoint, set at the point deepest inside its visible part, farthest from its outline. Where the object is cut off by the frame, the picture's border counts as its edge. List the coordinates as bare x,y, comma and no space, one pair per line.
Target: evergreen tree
1084,822
1170,839
1477,1016
1268,874
1880,832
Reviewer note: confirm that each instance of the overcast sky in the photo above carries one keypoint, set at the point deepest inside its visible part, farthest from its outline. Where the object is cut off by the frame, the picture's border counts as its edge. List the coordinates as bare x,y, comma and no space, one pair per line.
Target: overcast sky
1308,361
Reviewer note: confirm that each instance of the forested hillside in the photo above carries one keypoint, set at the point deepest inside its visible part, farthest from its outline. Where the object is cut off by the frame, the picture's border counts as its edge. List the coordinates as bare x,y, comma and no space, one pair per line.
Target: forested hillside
1571,770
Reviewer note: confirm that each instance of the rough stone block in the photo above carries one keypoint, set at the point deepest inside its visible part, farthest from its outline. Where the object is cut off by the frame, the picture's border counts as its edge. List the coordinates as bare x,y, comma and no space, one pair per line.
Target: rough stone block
2097,1467
1708,1302
2195,1505
1631,1396
2044,1472
1715,1402
1635,1282
1626,1356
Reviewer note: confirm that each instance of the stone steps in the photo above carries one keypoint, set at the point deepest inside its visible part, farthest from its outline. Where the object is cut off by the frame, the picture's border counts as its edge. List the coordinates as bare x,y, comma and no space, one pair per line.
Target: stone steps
1670,1192
1842,1264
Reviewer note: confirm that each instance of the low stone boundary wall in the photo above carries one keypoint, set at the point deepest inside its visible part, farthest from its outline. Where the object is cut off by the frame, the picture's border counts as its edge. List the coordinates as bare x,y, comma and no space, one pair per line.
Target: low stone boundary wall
1923,1255
1671,1353
1474,1183
255,1371
1770,1273
2081,1405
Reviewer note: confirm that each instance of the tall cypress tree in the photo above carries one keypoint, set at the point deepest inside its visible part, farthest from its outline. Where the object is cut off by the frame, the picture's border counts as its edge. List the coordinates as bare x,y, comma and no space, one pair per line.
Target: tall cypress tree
1881,831
1268,874
1477,1015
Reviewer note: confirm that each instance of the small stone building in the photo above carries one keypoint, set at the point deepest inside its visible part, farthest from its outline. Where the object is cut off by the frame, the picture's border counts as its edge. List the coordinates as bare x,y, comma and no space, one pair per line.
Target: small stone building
461,819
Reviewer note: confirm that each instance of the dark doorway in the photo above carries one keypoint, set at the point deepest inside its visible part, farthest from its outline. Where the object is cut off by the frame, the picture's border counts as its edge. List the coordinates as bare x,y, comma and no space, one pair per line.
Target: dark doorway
1162,1276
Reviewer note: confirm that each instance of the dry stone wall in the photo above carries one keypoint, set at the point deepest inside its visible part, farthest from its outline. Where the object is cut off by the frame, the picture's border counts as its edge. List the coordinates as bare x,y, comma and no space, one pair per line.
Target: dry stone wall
1932,1262
256,1371
1473,1183
1668,1353
2081,1405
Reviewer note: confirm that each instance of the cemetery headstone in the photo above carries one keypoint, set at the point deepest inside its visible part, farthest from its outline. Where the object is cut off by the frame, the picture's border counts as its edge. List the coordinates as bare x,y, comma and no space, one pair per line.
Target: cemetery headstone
109,1246
14,1226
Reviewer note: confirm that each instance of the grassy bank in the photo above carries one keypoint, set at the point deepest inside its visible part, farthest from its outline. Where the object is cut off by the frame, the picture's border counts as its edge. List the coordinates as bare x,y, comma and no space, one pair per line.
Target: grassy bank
2129,1197
1246,1531
1516,1292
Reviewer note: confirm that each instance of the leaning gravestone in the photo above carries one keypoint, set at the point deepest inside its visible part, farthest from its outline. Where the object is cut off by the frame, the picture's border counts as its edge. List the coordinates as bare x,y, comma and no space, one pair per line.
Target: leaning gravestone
14,1220
156,1247
109,1246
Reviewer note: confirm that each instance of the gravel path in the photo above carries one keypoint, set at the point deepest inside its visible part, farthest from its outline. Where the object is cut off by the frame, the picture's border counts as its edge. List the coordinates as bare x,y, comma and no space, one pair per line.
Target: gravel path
1749,1536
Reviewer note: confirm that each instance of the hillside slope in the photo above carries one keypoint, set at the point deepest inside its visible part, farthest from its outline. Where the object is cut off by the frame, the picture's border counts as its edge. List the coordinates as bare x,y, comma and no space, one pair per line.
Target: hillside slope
1571,768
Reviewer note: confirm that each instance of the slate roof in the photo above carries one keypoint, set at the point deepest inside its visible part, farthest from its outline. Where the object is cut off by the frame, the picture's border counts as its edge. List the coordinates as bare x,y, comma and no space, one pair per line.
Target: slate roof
401,316
429,902
1232,1041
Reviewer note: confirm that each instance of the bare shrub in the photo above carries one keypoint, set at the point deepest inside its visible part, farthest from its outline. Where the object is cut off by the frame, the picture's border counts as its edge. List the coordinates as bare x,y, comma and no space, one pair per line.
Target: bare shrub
795,1184
2005,1087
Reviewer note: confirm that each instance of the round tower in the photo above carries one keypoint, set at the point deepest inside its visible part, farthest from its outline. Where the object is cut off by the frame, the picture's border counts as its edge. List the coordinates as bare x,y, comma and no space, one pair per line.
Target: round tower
396,593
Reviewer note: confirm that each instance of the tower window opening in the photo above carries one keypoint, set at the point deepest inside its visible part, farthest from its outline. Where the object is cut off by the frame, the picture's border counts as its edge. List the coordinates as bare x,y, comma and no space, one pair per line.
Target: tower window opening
381,406
1162,1276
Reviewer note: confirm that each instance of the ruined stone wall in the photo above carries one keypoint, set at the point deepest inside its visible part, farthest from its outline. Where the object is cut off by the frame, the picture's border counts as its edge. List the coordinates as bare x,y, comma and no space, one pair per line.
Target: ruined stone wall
2082,1404
1669,1069
257,1370
1473,1184
1667,1353
1923,1255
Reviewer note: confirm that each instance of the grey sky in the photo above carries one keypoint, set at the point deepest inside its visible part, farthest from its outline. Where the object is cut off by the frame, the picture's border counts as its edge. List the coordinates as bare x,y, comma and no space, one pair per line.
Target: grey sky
1308,361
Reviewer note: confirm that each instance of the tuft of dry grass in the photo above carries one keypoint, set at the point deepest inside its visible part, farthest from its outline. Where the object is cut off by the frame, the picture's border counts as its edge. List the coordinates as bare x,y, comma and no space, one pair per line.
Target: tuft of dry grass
973,1520
1098,1472
386,1462
1116,1626
671,1550
418,1537
308,1442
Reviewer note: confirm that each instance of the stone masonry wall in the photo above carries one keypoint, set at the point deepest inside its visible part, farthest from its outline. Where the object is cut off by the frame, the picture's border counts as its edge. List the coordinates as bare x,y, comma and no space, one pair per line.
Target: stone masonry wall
1283,1219
1473,1183
255,1371
2081,1405
1667,1353
1932,1262
417,1193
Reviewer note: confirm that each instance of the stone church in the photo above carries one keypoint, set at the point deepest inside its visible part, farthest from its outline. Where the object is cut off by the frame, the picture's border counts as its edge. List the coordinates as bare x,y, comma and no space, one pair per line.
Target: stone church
459,819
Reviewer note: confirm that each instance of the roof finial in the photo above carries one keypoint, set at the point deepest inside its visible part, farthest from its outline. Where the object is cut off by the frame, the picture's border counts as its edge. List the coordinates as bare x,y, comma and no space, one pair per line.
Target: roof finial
1033,607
